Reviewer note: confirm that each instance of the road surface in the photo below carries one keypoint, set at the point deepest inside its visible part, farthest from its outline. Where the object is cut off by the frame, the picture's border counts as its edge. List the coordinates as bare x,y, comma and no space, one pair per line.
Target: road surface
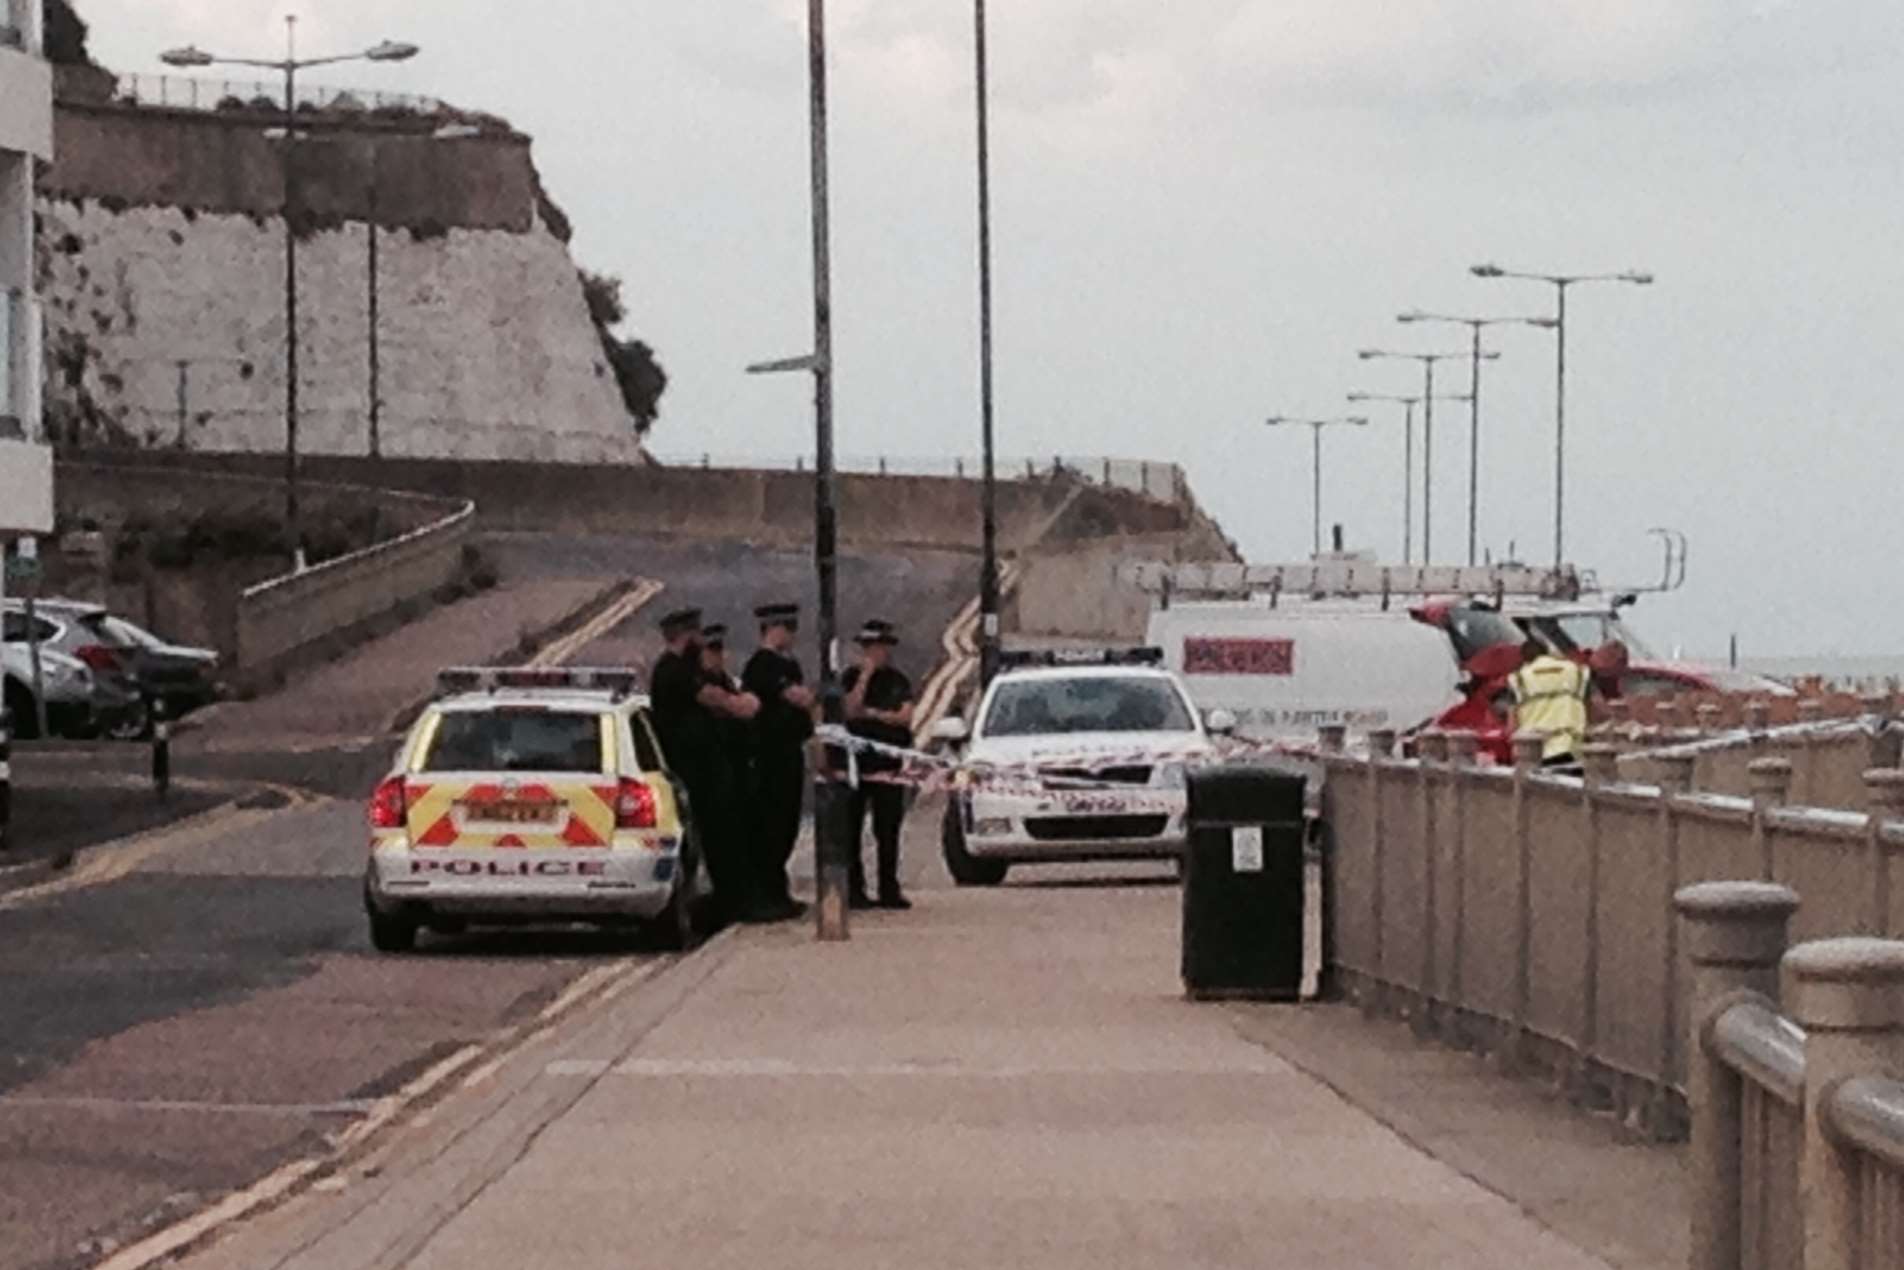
186,1015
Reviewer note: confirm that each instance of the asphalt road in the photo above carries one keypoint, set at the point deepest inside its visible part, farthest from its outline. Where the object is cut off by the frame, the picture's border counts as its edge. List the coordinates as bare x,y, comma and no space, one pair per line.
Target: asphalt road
181,1017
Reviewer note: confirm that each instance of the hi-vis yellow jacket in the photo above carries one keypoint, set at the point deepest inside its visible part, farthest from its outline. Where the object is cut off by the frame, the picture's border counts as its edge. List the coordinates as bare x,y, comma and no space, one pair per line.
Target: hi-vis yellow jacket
1550,695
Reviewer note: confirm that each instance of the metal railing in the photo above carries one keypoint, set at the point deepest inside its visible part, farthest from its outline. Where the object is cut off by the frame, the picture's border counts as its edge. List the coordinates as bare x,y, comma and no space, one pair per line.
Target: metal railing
1162,481
190,92
1797,1152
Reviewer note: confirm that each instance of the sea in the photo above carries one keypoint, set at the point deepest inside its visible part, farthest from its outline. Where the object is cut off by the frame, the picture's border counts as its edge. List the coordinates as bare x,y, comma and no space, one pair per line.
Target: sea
1847,672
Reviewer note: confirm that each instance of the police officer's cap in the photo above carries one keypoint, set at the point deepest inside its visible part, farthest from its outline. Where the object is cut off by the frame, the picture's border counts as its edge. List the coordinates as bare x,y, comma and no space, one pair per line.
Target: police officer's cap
680,622
778,614
876,631
714,636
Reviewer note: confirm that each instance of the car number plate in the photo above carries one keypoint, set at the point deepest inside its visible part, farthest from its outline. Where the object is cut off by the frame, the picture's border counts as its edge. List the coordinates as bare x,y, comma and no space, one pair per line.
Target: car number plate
511,813
1095,802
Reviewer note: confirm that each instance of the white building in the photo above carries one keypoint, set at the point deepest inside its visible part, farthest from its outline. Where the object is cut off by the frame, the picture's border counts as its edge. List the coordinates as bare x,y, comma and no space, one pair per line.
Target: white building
26,136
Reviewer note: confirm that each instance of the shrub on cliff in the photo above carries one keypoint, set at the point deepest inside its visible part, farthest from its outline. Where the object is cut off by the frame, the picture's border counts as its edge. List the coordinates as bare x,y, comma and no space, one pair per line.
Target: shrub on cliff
65,35
637,372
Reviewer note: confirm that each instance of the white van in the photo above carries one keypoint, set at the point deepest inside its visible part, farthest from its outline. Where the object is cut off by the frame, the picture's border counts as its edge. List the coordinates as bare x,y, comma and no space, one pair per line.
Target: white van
1284,670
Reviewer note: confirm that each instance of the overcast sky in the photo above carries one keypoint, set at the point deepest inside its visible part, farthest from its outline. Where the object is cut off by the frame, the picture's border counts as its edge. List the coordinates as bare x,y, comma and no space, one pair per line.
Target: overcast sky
1204,207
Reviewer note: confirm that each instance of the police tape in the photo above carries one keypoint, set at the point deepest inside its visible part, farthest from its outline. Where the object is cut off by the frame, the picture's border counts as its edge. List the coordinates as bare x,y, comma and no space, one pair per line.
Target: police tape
1080,772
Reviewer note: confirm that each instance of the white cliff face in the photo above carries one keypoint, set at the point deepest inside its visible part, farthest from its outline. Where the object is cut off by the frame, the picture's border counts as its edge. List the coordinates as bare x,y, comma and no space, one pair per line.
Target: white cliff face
166,328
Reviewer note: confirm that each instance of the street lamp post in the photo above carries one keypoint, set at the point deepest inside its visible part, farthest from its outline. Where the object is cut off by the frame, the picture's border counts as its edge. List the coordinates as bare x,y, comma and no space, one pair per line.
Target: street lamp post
1560,283
193,57
1408,405
829,808
1475,325
988,490
1315,427
1428,399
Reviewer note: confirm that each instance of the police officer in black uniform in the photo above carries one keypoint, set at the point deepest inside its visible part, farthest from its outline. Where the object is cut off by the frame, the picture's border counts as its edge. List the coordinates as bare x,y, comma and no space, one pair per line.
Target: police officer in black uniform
781,731
688,713
879,705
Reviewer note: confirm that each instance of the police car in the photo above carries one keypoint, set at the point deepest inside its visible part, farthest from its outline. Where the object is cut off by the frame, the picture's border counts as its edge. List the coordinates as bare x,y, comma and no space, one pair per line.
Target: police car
531,795
1073,756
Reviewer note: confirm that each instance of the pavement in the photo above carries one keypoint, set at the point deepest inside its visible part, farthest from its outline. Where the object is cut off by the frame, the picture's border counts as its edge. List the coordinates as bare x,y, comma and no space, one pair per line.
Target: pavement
1583,1176
1000,1077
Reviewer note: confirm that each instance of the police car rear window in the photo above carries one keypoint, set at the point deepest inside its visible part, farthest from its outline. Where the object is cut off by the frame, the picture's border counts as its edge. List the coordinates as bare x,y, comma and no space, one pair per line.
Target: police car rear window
509,739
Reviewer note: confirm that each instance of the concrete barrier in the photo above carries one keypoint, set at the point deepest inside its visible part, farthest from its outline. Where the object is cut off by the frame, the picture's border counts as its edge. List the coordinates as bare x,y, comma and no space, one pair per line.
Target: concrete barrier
1531,915
768,507
286,618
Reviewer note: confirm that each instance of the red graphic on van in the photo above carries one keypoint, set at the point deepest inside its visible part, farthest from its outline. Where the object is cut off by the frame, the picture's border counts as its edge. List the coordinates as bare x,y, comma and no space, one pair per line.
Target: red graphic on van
1239,656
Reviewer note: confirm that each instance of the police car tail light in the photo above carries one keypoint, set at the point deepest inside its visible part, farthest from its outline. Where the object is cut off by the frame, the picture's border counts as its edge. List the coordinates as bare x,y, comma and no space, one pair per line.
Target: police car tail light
387,805
635,805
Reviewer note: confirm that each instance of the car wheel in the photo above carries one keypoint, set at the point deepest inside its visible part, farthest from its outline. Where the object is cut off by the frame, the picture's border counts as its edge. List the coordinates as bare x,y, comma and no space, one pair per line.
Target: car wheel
966,869
21,713
389,932
134,725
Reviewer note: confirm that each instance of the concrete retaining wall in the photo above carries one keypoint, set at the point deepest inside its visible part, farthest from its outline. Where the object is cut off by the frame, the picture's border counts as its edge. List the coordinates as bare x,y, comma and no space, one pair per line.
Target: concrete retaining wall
767,507
280,620
263,624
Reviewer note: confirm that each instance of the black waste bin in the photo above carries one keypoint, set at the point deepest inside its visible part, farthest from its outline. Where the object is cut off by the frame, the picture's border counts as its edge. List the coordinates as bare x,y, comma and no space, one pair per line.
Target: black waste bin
1243,885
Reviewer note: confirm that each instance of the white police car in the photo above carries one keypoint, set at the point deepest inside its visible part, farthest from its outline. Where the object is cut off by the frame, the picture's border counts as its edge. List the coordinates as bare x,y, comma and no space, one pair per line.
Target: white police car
1073,756
530,795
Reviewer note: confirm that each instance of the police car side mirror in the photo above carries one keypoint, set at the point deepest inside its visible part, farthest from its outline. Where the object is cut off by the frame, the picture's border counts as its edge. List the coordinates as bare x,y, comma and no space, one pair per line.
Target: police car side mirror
952,730
1220,722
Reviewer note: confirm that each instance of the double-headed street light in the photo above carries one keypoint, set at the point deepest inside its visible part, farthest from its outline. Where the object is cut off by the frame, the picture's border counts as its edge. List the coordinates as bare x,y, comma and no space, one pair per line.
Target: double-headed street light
1474,402
1316,426
1428,399
1408,405
1560,282
192,57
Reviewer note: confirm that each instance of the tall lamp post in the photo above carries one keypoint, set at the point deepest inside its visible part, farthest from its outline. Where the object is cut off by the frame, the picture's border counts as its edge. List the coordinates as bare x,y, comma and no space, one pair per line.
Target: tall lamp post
192,57
1315,427
1408,405
1560,282
829,808
1475,325
1428,399
988,490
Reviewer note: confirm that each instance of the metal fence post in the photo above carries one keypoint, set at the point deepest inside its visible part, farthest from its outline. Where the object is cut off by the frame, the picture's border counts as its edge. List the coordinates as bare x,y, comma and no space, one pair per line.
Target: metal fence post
1734,933
1848,995
1884,801
1771,783
161,750
1381,749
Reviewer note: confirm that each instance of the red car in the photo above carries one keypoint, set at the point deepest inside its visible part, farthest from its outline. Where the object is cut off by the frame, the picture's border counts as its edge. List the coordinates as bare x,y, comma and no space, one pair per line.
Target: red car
1487,644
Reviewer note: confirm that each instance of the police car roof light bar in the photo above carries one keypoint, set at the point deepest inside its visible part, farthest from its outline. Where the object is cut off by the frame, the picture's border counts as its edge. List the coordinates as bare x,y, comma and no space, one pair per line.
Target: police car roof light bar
1018,659
616,681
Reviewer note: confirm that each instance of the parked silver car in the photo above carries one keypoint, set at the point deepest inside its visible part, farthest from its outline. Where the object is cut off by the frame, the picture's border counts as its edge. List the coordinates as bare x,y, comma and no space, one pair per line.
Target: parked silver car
120,702
129,659
67,685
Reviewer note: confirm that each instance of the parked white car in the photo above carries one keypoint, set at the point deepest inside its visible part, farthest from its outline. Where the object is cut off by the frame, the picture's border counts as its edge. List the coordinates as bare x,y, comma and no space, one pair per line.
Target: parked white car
1075,761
